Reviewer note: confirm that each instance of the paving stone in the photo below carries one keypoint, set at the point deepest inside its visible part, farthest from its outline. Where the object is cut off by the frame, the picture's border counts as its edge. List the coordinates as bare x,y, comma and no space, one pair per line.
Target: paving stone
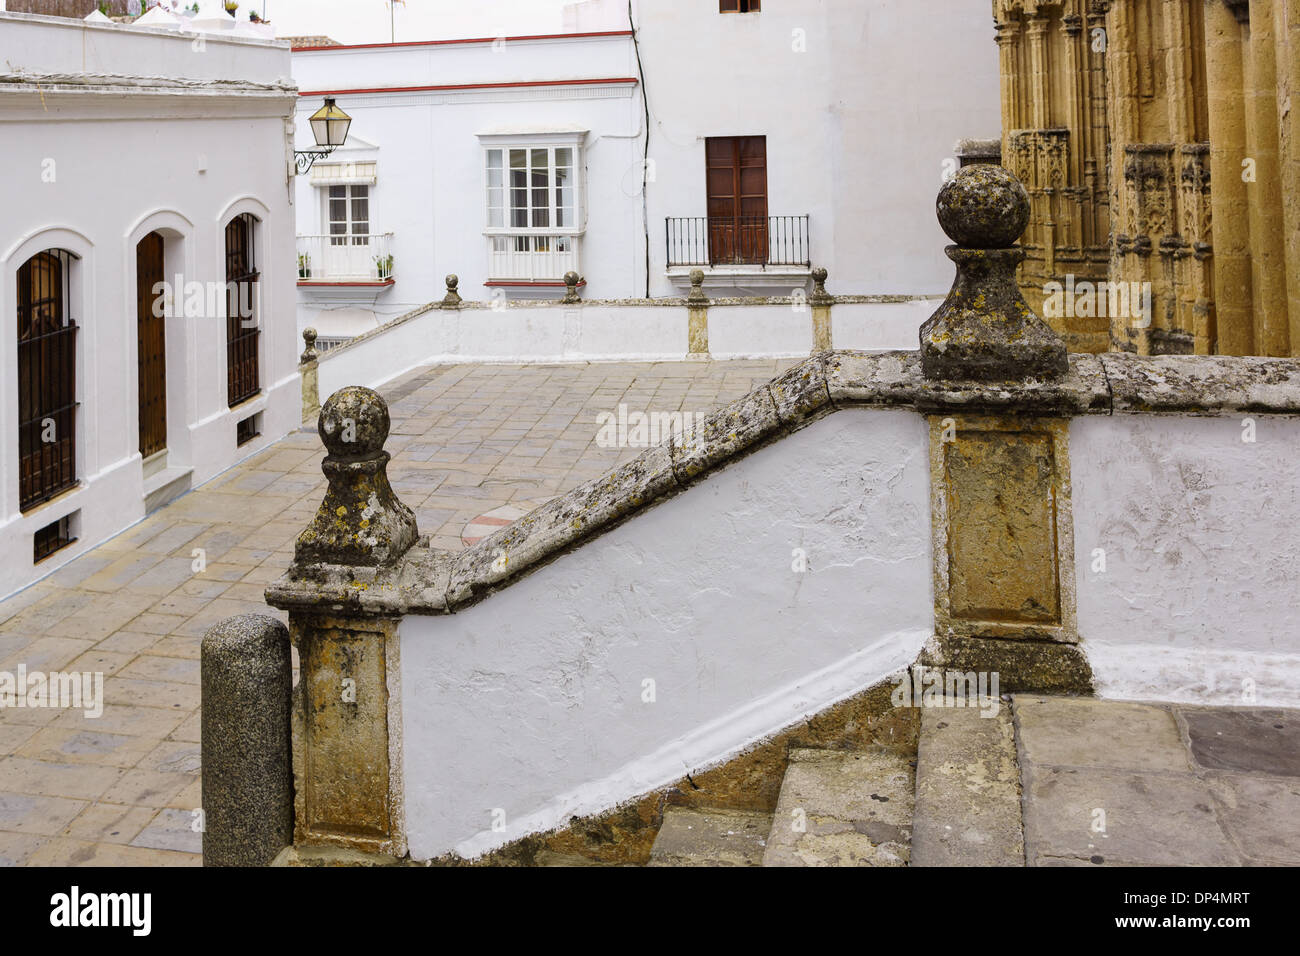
35,813
1251,741
967,790
67,852
842,808
691,837
1119,816
1085,732
171,830
109,823
15,848
1261,815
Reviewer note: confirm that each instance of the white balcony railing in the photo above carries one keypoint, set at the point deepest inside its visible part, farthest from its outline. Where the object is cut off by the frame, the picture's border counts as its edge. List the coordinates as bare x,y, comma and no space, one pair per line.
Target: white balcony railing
532,258
342,259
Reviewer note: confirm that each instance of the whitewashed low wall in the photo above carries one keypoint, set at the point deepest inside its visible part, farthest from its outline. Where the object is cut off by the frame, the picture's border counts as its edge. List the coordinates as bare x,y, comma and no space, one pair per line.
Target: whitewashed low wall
534,702
1199,599
610,332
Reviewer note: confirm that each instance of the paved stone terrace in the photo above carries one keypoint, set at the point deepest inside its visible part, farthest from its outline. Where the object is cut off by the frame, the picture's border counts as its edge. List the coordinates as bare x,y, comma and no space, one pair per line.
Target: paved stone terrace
121,789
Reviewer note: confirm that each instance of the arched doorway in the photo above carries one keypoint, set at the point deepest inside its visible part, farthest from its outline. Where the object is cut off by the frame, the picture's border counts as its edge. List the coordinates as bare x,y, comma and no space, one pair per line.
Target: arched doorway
152,351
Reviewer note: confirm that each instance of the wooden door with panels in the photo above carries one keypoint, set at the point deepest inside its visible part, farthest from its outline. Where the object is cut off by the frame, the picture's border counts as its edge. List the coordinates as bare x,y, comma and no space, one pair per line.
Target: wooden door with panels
736,182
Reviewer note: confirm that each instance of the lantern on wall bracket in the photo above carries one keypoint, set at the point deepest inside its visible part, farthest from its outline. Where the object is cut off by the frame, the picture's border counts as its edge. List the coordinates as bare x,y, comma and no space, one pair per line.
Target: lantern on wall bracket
329,126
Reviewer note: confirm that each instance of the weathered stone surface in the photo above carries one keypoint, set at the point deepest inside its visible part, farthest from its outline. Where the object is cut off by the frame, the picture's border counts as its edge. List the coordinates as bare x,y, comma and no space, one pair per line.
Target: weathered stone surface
843,808
1260,815
984,207
896,378
247,680
710,838
727,433
361,522
1246,740
347,790
1203,383
984,330
1049,667
1157,819
1083,732
999,485
800,394
967,790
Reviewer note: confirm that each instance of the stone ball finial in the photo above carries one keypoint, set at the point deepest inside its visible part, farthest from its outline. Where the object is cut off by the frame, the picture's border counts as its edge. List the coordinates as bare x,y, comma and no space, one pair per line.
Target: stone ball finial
571,278
309,353
452,281
697,277
983,207
354,422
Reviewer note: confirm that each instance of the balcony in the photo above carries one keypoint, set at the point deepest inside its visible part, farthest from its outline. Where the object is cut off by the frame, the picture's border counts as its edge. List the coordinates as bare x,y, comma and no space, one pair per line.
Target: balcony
532,259
351,260
738,241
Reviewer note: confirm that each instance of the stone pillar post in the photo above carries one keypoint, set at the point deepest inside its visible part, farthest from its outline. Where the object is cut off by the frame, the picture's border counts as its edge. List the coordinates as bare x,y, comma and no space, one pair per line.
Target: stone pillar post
571,280
821,303
452,299
247,684
308,369
348,762
697,304
1003,535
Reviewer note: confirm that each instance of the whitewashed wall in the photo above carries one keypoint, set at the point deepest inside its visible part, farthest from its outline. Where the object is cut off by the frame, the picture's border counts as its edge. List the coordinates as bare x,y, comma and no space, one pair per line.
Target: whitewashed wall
608,333
1201,587
123,164
531,702
858,124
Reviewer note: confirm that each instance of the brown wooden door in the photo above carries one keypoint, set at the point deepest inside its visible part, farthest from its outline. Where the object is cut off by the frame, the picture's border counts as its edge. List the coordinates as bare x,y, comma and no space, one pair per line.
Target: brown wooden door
151,334
736,183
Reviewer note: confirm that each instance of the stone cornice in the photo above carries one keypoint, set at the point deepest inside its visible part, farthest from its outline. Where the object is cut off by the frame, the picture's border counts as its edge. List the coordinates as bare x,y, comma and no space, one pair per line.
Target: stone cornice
429,581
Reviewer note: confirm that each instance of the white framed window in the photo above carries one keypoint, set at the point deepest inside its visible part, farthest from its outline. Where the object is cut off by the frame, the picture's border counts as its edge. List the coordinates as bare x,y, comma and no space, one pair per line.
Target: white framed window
347,210
532,188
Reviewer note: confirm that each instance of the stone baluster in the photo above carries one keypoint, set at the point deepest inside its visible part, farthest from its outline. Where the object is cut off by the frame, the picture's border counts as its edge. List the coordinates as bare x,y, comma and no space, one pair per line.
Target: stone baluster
310,373
697,306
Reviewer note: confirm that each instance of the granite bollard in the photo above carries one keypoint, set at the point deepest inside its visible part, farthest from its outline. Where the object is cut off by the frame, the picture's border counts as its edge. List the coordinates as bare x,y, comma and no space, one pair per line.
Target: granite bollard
247,685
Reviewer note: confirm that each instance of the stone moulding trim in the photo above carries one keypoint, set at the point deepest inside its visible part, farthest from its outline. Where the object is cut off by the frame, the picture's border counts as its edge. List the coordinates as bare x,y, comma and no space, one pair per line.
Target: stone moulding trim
429,581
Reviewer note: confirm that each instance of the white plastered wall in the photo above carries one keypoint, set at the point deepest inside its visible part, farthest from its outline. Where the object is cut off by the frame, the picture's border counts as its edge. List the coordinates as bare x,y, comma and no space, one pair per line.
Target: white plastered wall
532,702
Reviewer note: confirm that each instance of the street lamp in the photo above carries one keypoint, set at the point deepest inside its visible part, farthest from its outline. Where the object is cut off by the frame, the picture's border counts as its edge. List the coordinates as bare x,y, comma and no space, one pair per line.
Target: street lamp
329,125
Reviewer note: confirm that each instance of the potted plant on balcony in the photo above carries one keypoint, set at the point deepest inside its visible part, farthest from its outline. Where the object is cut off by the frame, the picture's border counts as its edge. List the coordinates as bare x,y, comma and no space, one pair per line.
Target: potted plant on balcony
384,266
304,266
231,6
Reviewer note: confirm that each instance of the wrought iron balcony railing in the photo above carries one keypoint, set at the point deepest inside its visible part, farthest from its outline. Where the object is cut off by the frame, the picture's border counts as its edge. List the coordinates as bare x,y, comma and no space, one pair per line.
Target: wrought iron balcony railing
738,240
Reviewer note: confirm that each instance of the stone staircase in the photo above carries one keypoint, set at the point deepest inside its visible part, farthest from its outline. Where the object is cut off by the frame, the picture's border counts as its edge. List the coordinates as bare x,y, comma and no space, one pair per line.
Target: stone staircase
957,804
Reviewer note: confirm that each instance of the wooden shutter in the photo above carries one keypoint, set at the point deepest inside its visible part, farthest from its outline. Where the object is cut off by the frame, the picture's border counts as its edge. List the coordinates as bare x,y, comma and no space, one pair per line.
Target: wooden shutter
736,188
152,355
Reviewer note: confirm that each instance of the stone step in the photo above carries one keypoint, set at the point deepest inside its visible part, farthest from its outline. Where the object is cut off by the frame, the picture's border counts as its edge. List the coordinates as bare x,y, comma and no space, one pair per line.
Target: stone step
691,837
968,809
843,808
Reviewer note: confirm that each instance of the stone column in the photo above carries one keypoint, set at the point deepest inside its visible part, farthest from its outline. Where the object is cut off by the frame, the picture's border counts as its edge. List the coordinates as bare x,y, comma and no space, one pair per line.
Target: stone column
1000,490
347,766
697,330
821,303
308,369
247,684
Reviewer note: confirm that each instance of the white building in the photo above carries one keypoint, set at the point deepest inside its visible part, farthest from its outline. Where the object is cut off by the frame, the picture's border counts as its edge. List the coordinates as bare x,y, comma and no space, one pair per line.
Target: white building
147,282
778,140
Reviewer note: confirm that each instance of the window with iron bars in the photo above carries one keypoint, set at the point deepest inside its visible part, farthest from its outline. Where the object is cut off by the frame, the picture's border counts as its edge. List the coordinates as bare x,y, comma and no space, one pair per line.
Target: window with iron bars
242,332
47,378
